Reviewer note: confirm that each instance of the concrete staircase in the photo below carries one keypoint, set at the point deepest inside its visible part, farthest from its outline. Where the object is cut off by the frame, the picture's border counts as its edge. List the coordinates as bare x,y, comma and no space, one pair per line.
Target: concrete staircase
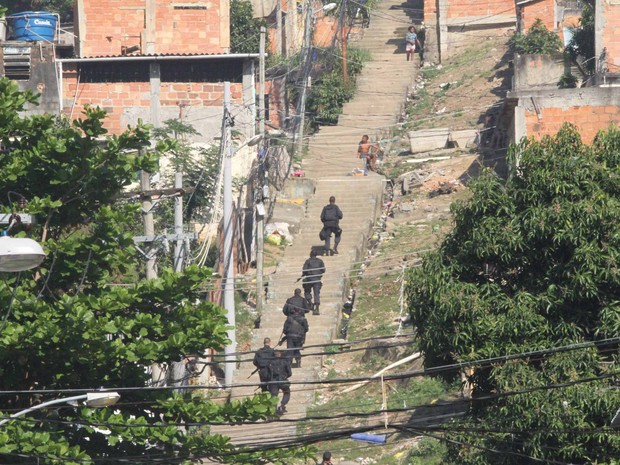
382,88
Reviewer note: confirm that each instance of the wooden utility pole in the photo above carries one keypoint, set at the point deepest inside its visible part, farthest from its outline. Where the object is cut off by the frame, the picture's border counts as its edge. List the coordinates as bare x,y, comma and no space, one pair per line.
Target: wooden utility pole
306,66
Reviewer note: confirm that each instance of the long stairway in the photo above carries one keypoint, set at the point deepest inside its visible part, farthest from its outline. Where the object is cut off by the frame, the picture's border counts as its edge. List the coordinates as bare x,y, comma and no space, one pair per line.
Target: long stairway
381,92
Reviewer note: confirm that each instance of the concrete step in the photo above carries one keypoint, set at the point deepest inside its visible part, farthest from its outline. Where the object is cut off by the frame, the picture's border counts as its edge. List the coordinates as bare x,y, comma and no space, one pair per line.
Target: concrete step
381,91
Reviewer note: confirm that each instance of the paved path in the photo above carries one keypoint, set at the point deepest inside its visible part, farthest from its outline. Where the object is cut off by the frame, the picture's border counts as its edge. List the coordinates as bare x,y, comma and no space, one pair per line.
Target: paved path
381,92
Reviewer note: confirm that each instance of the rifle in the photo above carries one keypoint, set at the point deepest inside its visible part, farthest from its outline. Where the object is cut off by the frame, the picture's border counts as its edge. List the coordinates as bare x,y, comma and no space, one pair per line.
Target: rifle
252,373
282,339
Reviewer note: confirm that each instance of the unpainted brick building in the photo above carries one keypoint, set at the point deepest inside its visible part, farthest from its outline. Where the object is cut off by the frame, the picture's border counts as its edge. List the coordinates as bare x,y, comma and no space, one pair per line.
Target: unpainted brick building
556,15
542,109
452,25
157,60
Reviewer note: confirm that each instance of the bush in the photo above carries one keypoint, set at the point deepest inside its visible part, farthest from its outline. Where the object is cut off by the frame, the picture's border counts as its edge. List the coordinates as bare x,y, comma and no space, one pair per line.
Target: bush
537,40
582,42
567,81
329,93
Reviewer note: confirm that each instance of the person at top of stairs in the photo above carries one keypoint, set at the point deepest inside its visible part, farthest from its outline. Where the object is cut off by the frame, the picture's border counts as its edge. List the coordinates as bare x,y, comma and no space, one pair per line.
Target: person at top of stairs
411,40
330,217
296,302
312,273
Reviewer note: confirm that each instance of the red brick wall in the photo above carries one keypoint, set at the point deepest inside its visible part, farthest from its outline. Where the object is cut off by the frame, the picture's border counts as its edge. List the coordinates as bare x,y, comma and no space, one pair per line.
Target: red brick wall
611,35
430,11
469,8
542,9
116,98
109,25
276,90
588,119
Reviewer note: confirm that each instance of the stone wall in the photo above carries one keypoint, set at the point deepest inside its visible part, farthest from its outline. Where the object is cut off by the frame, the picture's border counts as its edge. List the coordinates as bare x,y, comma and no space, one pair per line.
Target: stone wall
538,71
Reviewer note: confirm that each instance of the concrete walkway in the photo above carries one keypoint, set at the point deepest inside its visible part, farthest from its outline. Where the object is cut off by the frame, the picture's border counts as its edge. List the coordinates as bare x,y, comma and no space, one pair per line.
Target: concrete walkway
382,89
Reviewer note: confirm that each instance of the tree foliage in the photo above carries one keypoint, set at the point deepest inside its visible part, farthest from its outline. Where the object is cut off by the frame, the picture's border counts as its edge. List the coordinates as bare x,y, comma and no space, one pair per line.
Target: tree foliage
64,8
200,166
531,264
582,42
537,40
330,92
244,28
67,326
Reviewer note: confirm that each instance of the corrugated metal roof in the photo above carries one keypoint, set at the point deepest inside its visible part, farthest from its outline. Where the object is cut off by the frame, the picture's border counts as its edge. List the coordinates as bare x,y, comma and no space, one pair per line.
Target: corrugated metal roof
162,56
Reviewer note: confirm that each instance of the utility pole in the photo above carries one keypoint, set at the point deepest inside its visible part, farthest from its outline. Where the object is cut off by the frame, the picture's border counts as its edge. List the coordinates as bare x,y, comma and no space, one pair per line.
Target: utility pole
345,71
229,278
304,90
158,373
179,246
292,12
149,225
261,84
260,217
278,27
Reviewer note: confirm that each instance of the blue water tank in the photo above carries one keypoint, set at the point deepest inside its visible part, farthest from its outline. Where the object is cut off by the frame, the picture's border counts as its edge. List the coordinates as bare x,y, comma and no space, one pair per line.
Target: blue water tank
32,26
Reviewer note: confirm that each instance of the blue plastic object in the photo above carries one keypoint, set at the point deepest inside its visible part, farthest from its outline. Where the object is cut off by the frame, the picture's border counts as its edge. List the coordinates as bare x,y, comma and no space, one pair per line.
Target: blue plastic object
374,438
32,26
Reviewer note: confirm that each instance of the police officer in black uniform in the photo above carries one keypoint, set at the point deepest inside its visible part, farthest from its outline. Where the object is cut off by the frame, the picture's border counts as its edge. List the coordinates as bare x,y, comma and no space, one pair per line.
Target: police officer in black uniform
262,361
280,373
312,273
330,217
295,329
297,302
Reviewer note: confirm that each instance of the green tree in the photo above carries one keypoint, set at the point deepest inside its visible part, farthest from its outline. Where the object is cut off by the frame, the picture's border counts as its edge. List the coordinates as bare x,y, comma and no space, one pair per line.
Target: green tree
199,165
531,264
244,28
64,8
582,41
537,40
67,326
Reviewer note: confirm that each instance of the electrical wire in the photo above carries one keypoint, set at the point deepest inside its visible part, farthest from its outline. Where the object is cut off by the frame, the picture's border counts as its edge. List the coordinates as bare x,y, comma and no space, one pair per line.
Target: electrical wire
450,368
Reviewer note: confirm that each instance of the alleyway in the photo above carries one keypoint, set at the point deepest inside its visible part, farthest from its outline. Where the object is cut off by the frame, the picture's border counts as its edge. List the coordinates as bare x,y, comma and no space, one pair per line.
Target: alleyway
381,92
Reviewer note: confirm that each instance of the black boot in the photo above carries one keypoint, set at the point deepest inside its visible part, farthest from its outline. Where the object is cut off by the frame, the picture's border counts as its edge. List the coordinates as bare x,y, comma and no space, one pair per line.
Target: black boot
315,310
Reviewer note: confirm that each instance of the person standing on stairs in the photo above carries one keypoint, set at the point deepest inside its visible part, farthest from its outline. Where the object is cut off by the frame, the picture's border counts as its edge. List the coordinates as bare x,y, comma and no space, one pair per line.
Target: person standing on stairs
330,217
366,154
297,302
312,273
411,40
280,368
262,361
295,329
